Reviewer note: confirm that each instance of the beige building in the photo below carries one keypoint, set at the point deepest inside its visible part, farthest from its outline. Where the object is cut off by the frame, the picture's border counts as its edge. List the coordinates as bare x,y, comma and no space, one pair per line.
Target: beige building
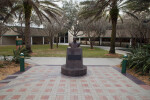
38,36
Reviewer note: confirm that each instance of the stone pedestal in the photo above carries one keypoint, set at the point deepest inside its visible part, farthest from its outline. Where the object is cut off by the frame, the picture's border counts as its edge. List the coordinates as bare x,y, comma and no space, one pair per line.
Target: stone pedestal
74,63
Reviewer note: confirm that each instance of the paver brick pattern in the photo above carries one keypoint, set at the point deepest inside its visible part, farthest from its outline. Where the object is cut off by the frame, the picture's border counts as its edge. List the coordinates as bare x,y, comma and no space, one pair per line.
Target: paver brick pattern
47,83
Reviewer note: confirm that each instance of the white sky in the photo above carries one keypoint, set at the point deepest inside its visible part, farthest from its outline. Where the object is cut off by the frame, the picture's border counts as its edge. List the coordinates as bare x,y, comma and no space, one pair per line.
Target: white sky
60,4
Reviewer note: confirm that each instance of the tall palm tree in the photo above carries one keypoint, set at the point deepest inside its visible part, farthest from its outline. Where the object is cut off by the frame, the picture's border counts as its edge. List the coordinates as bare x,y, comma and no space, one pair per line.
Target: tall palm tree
25,8
100,8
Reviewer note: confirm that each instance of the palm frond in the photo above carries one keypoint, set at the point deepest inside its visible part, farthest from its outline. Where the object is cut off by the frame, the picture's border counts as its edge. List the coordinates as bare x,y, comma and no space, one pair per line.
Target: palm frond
13,10
131,14
35,7
120,18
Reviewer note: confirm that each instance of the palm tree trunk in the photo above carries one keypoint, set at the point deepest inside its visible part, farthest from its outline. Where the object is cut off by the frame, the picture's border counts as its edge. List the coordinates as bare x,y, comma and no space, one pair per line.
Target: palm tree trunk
27,11
113,37
114,16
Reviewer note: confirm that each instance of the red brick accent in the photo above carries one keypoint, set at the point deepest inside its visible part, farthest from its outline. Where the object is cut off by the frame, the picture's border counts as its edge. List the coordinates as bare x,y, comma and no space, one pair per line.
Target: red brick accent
117,97
118,85
16,97
107,85
2,84
144,98
27,84
35,90
59,97
99,90
52,80
44,97
38,84
30,97
83,81
73,85
74,97
131,98
10,90
74,90
86,90
96,85
103,98
22,90
128,85
51,85
123,90
112,90
60,90
48,90
87,97
85,85
146,87
62,80
42,80
2,97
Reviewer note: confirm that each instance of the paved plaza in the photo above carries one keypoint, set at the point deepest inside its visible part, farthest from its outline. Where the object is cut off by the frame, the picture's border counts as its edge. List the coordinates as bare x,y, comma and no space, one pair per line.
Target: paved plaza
47,83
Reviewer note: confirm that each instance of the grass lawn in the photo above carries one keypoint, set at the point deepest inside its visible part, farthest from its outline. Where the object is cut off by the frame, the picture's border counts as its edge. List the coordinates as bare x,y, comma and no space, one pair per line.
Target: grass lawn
45,51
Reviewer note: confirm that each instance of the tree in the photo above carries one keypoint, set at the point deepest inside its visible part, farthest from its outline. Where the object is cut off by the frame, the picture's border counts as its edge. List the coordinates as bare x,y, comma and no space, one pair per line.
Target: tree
139,5
71,10
138,29
25,8
92,30
52,31
100,28
100,8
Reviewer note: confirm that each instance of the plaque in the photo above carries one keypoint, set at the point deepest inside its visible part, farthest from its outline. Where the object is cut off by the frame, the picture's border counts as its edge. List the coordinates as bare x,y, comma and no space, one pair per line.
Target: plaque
74,57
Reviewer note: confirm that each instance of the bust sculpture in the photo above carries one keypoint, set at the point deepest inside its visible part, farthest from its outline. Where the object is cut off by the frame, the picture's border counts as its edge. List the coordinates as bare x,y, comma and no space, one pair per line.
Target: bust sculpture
74,61
74,44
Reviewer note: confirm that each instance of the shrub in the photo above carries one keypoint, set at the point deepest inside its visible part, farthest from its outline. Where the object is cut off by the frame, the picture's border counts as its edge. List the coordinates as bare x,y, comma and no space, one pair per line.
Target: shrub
16,54
139,59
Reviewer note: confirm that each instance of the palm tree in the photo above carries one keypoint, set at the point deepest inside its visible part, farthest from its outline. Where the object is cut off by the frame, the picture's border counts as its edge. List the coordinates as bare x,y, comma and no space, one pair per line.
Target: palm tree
139,5
100,8
25,8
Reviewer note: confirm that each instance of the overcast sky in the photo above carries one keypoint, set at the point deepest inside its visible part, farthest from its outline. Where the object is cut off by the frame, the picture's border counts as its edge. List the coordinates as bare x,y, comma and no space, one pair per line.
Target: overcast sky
60,4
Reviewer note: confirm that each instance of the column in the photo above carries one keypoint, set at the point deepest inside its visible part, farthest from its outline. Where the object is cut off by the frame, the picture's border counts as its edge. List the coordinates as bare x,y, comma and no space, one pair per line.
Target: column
79,39
100,41
130,42
31,40
43,40
64,39
59,39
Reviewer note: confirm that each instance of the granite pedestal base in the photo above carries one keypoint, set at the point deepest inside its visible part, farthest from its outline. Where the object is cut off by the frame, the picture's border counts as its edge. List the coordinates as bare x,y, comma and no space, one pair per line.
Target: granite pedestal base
74,63
73,72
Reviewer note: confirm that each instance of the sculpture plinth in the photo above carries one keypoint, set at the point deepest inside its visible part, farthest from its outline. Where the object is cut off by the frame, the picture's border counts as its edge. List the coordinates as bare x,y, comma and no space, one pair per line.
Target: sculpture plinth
74,63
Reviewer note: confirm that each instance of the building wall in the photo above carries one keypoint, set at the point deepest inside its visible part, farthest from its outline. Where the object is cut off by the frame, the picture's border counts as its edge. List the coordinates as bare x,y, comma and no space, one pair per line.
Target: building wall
37,40
9,40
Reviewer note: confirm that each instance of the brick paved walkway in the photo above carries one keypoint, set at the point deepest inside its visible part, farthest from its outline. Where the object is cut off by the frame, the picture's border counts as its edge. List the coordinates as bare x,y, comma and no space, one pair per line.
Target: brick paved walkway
46,83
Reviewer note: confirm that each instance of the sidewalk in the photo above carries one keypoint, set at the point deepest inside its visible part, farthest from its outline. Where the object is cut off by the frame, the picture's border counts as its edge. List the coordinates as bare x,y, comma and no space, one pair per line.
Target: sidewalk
62,60
47,83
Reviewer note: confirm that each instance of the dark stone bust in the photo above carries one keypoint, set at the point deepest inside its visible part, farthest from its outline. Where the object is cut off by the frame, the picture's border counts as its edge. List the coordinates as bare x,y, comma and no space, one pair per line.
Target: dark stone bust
74,44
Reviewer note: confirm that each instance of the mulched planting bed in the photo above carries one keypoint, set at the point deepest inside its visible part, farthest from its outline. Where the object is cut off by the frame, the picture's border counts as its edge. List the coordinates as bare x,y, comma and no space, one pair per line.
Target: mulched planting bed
144,78
9,68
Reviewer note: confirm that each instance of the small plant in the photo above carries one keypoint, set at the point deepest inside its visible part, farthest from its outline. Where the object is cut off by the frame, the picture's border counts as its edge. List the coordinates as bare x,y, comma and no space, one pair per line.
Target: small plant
16,54
139,59
1,65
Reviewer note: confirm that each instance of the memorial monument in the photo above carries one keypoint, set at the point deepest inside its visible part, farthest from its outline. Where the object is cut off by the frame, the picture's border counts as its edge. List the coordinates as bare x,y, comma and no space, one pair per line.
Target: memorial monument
74,61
